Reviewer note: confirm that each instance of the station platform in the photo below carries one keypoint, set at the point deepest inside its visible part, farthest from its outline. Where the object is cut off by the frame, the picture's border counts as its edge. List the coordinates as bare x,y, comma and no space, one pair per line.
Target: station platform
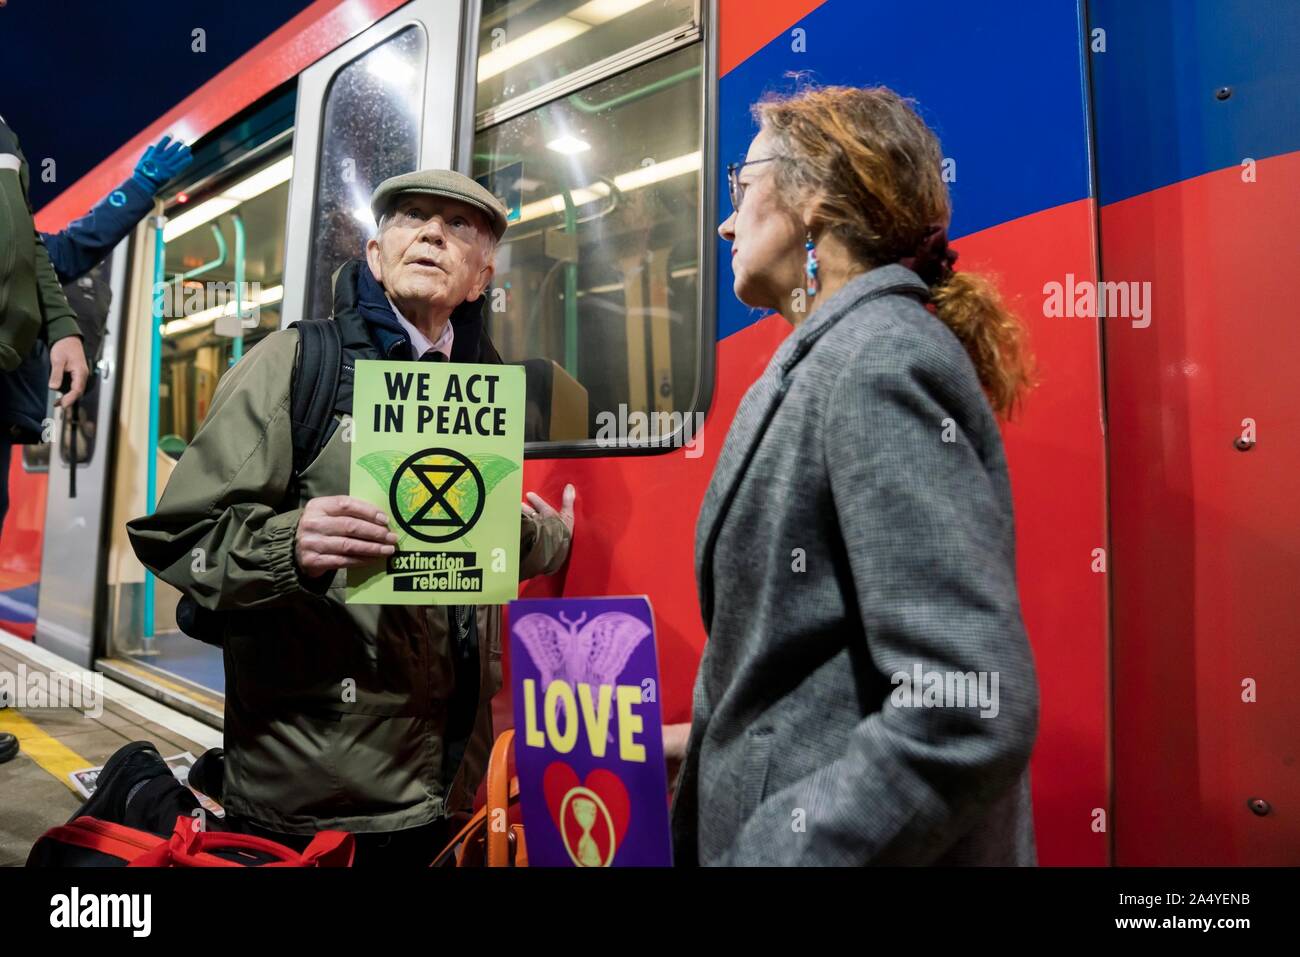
37,791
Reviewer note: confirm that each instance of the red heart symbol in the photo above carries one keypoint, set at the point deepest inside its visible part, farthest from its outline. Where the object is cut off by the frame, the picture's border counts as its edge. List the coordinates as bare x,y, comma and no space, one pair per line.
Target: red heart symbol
591,816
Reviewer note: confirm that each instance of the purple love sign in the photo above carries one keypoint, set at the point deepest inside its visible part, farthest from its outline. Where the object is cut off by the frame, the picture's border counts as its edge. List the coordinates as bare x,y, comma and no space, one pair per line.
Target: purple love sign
589,743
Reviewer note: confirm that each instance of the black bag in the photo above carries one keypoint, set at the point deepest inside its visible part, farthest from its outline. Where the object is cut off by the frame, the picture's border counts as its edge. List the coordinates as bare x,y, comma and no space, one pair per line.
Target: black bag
314,394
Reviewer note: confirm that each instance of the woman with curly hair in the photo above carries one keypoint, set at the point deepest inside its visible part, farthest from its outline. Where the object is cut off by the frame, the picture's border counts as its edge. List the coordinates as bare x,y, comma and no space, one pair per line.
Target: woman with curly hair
867,693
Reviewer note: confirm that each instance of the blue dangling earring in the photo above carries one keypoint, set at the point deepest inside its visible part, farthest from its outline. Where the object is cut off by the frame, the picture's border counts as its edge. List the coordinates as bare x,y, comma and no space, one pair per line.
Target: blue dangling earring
811,266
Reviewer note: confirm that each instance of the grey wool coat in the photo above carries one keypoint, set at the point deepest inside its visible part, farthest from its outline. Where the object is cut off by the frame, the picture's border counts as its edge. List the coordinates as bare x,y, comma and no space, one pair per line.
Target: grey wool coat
867,693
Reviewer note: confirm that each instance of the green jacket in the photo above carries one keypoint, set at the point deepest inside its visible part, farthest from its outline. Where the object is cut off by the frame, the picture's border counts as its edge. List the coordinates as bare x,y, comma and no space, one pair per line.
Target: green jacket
31,300
304,752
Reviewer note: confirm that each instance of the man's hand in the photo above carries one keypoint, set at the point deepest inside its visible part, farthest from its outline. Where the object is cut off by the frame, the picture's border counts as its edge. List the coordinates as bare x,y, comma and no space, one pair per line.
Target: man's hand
540,508
67,355
338,531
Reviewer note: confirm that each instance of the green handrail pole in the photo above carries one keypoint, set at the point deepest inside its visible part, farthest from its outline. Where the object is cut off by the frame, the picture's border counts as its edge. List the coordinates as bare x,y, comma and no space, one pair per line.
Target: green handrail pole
155,379
588,107
210,264
237,347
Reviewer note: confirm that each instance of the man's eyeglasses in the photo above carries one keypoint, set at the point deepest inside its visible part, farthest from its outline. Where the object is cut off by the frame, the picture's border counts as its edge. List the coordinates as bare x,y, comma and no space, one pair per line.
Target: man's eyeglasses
733,179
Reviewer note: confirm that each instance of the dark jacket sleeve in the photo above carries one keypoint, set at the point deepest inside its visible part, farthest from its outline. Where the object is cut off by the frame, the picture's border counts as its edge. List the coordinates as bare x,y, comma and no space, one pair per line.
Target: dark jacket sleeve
85,242
543,545
58,321
929,543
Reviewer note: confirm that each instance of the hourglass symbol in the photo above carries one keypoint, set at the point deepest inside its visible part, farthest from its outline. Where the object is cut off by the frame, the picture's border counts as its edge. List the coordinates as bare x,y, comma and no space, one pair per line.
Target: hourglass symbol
595,827
591,816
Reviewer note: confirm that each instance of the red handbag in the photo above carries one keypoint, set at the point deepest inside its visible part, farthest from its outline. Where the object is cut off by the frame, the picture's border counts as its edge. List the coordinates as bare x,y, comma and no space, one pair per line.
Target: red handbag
87,842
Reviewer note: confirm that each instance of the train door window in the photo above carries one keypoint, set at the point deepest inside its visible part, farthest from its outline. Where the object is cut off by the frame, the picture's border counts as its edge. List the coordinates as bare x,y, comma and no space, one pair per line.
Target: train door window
597,289
224,253
36,457
370,131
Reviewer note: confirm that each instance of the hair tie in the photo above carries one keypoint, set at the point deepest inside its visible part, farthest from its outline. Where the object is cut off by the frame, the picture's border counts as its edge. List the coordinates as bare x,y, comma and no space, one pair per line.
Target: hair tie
933,259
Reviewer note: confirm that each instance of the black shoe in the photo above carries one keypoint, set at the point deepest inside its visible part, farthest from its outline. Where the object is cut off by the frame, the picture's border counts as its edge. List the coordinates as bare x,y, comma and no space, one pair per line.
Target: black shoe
8,747
207,773
130,765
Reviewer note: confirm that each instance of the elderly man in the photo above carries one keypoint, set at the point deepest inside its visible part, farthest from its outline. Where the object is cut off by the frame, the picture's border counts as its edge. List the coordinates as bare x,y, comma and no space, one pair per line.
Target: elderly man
364,718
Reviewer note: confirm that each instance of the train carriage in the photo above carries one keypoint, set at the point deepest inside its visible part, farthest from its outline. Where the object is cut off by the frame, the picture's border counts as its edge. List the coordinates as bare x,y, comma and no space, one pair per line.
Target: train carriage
1084,143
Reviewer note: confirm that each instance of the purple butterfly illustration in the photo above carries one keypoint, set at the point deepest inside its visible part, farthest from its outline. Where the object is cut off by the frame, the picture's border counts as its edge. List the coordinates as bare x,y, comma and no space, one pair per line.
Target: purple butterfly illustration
594,655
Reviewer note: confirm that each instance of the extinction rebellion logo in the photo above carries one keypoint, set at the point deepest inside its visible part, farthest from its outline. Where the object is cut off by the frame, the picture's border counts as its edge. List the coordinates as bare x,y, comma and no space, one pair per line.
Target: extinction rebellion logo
445,475
436,495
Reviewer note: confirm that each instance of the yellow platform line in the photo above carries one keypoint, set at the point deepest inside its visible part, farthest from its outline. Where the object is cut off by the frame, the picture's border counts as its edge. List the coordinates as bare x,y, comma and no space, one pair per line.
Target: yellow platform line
50,753
172,686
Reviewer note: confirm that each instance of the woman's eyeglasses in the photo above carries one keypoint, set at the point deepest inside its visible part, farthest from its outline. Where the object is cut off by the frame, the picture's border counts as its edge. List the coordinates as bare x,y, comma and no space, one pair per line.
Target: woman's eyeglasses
734,184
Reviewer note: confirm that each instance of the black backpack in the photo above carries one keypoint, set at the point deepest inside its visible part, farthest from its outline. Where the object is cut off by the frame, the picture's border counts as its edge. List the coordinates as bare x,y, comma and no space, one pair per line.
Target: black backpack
318,388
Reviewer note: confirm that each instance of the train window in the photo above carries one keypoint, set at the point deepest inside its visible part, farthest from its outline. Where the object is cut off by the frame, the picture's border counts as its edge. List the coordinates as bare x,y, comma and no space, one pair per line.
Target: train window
225,247
525,45
36,458
370,131
597,282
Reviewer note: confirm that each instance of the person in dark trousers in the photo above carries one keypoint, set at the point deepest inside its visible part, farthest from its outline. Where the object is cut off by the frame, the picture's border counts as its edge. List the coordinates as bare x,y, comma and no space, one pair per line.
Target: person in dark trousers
33,309
73,254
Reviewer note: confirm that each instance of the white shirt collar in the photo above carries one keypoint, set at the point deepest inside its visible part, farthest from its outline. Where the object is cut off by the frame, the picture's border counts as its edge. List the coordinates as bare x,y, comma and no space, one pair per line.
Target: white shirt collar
420,344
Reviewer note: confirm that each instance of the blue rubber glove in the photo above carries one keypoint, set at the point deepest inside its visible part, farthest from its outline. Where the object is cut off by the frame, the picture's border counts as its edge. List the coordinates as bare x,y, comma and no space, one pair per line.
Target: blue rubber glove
160,163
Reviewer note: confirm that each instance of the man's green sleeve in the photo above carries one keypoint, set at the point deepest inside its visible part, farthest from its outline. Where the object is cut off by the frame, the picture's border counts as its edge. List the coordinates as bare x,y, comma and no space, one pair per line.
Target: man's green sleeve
59,319
543,545
219,534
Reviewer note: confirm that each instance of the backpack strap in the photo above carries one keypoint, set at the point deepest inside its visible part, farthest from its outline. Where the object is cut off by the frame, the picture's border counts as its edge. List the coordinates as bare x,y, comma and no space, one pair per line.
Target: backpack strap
316,372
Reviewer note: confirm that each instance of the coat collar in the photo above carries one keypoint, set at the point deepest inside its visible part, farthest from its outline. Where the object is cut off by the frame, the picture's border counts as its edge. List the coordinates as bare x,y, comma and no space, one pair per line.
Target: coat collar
376,333
764,397
883,280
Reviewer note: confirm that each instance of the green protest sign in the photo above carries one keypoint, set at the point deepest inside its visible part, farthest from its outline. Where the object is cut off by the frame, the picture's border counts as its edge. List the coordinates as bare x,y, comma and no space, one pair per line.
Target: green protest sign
439,448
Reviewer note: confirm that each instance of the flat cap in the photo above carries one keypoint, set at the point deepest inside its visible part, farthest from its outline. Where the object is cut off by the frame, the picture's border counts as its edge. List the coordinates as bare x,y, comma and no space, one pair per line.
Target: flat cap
440,182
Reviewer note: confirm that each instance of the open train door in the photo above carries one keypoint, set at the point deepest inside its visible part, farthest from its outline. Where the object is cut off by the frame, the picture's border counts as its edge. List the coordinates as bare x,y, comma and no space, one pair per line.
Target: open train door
80,468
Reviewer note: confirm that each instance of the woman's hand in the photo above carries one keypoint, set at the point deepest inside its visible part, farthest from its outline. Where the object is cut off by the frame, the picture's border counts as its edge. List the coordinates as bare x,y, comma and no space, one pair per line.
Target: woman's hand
675,739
